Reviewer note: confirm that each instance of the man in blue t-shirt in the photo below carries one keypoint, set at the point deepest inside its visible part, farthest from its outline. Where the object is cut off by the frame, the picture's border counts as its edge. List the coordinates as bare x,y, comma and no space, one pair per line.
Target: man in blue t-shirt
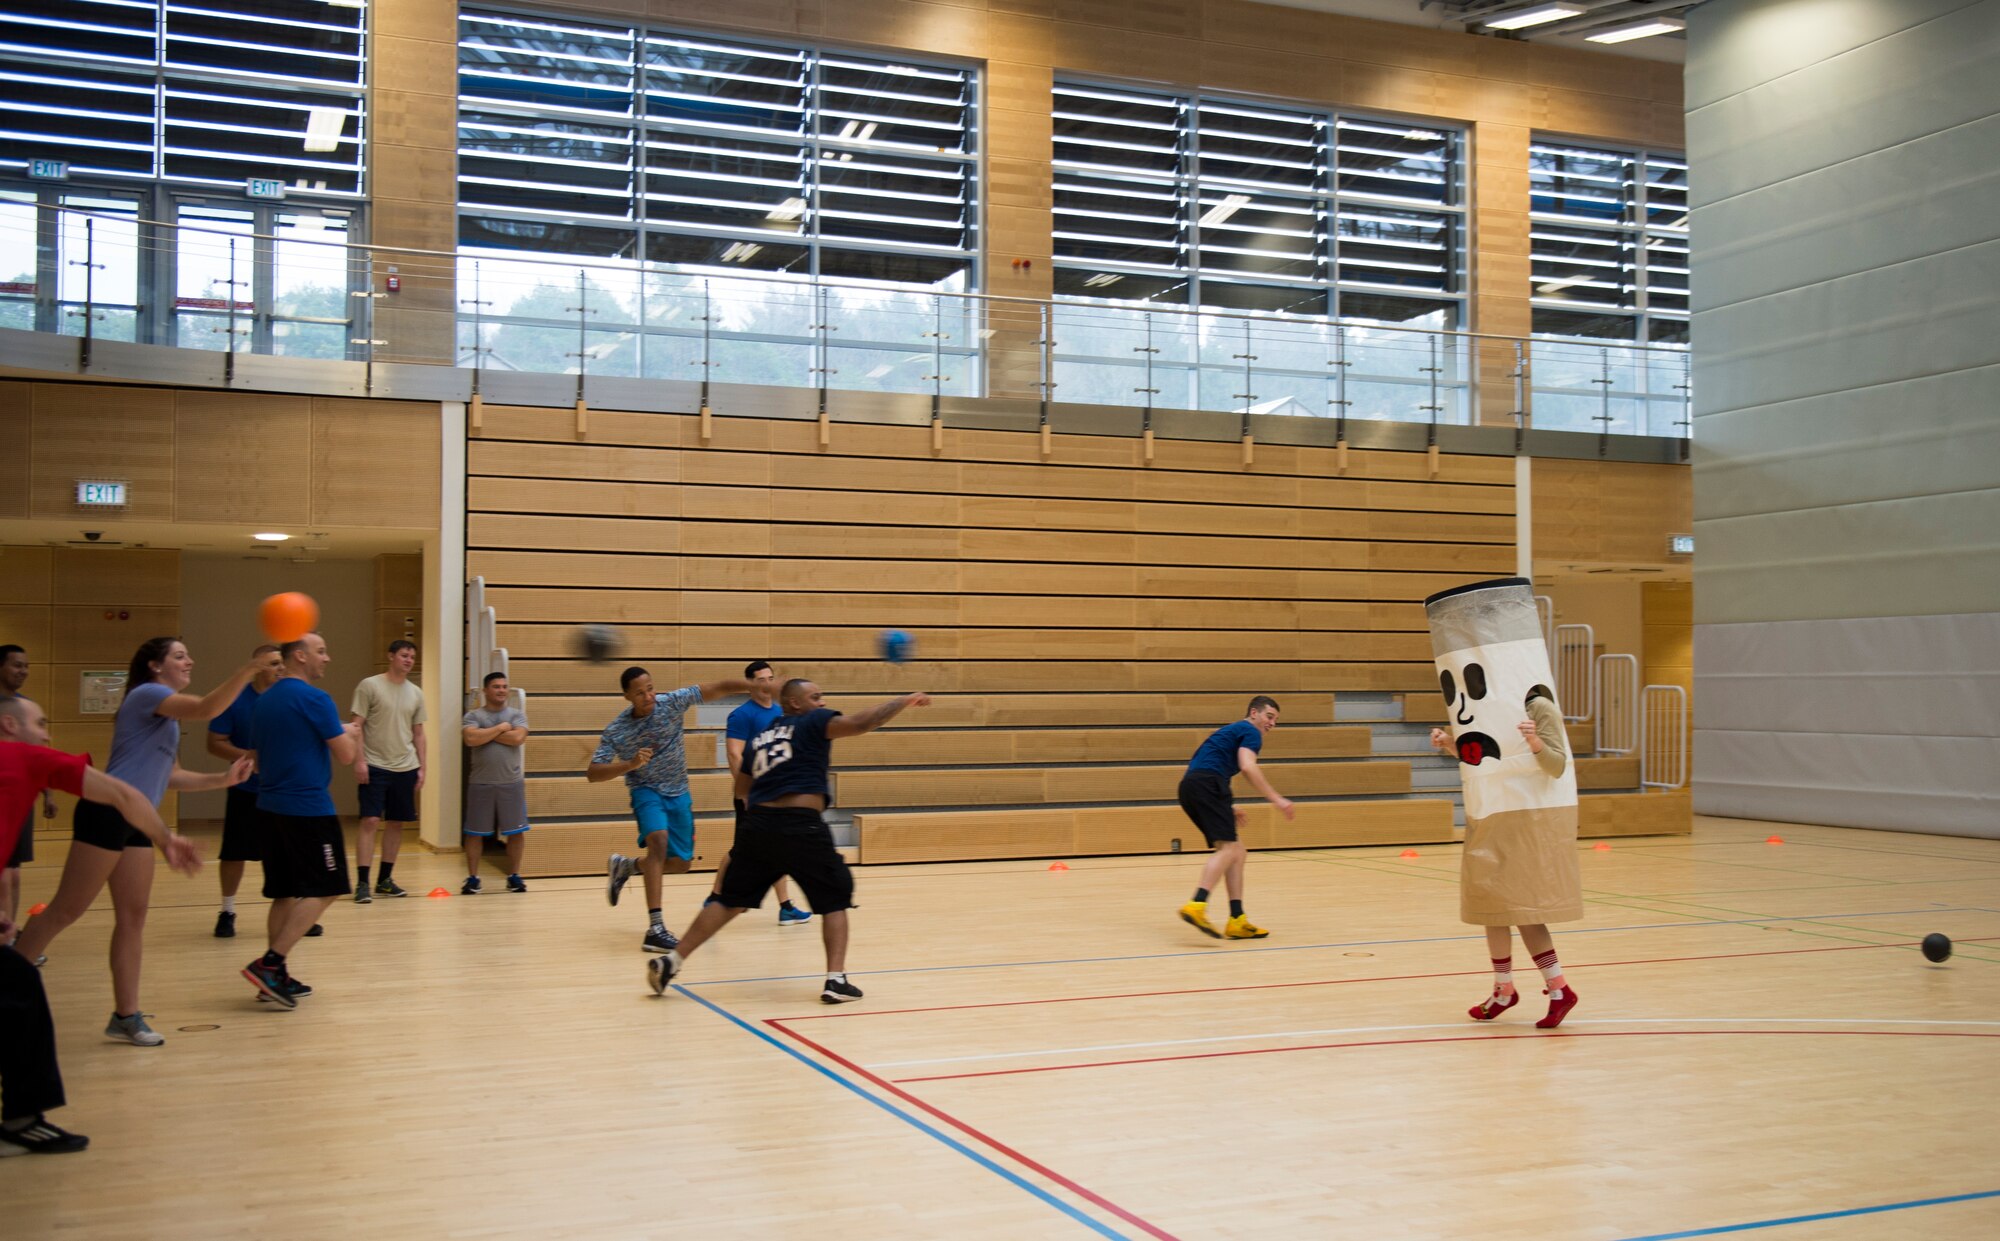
783,831
1205,797
298,736
229,740
745,722
646,745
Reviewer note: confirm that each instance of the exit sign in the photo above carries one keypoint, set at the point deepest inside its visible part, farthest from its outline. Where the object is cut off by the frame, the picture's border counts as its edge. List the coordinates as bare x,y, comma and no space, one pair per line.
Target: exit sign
1680,545
48,169
266,187
100,495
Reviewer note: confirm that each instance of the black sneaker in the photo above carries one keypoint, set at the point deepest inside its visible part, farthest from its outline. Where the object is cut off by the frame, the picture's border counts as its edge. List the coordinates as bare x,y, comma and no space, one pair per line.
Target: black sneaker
387,887
616,872
839,991
660,971
270,980
361,896
470,887
40,1138
225,925
660,939
292,986
515,884
316,932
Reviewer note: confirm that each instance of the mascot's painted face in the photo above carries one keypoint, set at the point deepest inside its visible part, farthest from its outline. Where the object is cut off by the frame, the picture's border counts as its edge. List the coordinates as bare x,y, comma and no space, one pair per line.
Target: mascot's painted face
1486,694
1474,747
1488,644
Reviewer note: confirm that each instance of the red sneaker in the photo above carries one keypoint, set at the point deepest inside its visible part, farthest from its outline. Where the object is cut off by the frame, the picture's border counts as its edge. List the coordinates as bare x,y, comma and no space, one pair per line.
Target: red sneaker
1558,1009
1492,1006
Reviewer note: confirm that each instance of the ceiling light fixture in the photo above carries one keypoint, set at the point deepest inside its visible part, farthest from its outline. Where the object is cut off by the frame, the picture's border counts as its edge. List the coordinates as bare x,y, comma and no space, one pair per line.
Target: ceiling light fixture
1224,209
270,536
1534,17
1639,30
323,126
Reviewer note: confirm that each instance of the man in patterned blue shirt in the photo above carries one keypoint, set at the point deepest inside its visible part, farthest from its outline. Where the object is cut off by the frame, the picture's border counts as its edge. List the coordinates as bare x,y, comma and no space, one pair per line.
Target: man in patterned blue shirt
645,745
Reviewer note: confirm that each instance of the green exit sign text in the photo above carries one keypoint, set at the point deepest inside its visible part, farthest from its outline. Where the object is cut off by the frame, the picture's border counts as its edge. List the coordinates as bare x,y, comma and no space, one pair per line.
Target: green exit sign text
266,187
100,495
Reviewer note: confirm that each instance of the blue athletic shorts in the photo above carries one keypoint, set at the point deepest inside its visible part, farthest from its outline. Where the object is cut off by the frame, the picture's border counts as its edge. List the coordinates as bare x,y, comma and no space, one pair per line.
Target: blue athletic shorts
657,812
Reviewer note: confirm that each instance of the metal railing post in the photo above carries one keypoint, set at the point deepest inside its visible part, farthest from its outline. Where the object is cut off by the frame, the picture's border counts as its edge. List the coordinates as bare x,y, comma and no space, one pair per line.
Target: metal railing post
1247,396
1151,390
89,292
1520,397
1047,346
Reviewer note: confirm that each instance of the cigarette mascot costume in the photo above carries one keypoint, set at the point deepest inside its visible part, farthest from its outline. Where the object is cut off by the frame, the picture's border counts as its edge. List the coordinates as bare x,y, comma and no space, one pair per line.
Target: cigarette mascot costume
1520,865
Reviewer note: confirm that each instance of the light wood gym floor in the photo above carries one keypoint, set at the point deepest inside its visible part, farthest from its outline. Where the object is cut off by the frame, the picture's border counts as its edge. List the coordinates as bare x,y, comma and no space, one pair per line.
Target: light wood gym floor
1052,1054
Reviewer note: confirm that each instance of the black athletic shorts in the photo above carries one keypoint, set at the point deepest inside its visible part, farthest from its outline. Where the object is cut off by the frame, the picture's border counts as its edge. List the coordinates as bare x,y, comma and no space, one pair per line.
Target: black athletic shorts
24,849
304,855
242,838
101,825
775,841
1206,798
388,795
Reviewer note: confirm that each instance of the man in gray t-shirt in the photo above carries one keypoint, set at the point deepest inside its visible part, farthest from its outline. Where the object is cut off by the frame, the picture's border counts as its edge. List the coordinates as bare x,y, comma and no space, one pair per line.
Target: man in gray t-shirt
496,794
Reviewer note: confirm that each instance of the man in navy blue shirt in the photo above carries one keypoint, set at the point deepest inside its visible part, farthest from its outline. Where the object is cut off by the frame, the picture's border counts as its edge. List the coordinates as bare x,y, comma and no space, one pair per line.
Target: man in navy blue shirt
229,740
1205,796
784,832
745,722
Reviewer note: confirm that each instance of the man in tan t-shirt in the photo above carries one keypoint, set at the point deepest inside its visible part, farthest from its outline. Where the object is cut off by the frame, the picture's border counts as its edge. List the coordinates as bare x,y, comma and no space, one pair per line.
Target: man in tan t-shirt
390,767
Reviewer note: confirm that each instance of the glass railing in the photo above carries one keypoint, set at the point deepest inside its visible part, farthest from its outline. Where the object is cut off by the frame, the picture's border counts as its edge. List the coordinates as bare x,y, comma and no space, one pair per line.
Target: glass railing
307,292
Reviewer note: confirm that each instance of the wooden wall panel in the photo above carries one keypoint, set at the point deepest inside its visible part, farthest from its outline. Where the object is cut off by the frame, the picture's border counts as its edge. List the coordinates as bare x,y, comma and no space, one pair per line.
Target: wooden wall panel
1610,512
117,576
375,463
92,431
237,458
27,575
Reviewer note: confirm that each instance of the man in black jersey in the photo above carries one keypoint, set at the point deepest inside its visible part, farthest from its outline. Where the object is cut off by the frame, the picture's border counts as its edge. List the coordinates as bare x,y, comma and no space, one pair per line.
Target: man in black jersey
783,831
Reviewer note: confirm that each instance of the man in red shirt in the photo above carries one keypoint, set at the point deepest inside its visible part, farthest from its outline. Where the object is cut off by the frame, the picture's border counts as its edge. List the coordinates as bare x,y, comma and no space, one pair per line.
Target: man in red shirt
30,1083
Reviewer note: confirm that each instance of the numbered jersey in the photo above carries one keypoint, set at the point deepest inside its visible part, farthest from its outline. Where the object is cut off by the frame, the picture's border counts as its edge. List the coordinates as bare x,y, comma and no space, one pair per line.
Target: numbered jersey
791,756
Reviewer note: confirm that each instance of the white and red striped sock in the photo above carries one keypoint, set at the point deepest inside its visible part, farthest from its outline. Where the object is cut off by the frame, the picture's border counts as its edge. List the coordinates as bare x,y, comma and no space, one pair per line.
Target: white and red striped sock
1503,974
1551,970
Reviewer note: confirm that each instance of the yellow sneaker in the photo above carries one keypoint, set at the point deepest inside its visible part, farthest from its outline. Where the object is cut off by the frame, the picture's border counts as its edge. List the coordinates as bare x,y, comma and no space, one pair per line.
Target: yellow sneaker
1195,914
1240,928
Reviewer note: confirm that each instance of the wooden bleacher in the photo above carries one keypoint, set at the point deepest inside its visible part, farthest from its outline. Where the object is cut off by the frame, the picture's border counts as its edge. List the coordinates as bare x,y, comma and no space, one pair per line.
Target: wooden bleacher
1084,620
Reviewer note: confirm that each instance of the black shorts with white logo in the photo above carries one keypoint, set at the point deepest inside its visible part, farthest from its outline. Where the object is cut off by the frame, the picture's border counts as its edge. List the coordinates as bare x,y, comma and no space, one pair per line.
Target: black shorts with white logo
304,855
775,841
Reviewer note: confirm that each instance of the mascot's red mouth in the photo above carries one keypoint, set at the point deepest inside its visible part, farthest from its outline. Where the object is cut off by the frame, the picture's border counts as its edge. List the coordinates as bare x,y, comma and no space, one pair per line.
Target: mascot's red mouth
1476,748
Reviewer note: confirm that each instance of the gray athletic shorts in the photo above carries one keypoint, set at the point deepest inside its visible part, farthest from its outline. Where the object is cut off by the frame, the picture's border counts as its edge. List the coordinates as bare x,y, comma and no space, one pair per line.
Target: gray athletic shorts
496,809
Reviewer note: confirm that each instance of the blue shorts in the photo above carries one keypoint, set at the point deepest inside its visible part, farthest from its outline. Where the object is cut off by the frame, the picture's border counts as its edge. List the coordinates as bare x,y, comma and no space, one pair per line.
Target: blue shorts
657,812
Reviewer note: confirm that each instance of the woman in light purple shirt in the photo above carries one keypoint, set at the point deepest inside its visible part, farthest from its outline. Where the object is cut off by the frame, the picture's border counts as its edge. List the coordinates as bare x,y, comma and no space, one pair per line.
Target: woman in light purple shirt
105,849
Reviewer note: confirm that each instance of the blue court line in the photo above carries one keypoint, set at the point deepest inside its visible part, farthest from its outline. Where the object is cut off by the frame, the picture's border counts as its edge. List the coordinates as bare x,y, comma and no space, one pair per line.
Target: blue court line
1096,1226
1355,943
1808,1219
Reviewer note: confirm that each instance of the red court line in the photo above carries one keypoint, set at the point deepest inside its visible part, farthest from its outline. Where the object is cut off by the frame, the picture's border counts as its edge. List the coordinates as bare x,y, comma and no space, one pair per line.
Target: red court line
1337,982
1455,1038
778,1023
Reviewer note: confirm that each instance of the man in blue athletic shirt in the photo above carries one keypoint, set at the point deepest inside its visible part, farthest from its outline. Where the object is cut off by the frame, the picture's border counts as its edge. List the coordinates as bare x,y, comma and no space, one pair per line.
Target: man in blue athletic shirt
1205,797
745,722
784,831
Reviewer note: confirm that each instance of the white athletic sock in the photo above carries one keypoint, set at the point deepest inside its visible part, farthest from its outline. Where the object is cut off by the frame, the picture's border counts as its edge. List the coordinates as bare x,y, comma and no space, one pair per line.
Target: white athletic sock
229,904
674,955
840,977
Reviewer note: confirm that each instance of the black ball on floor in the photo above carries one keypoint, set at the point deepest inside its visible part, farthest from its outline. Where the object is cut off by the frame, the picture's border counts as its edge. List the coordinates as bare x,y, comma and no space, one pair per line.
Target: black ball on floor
1936,947
599,643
